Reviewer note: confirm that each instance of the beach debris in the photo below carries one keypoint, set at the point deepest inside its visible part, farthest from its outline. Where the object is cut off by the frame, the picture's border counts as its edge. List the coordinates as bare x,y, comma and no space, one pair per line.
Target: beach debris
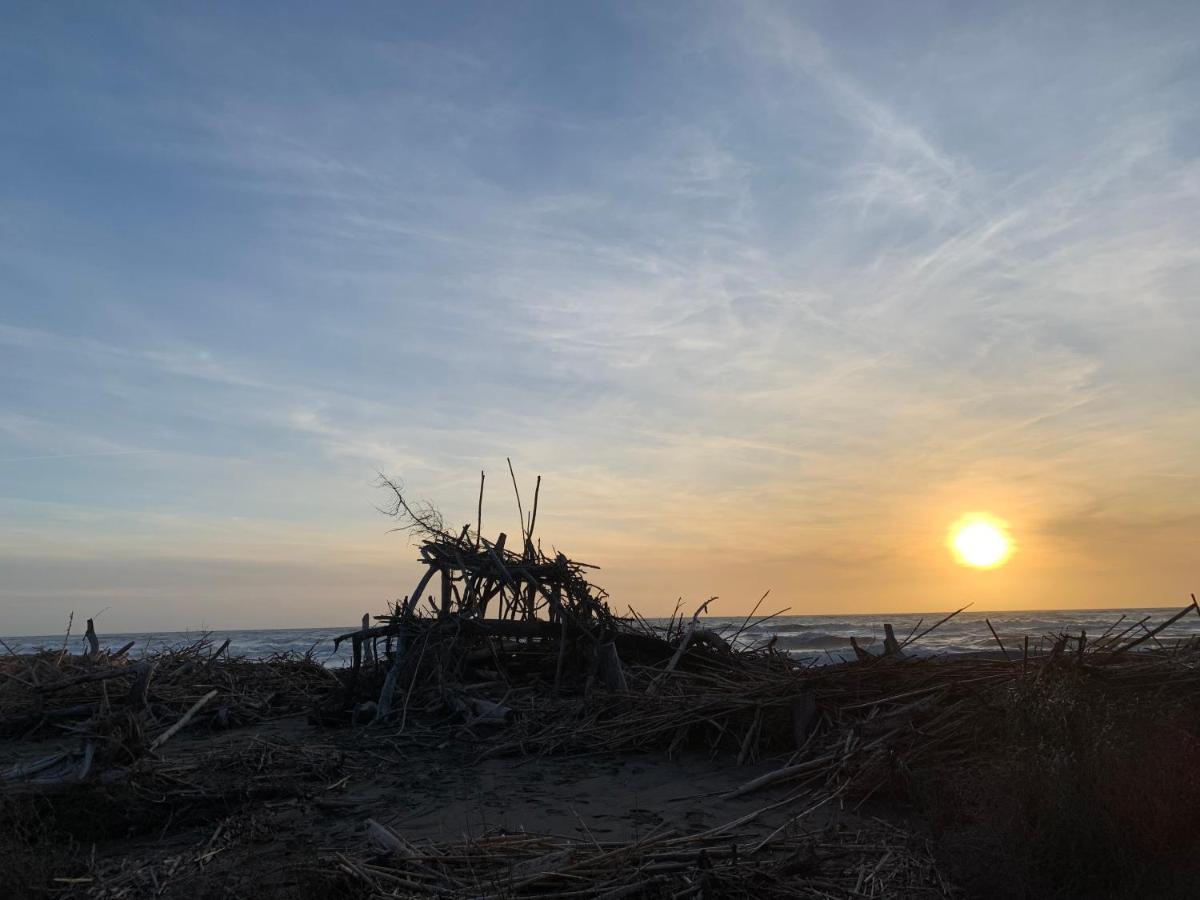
169,690
515,652
879,861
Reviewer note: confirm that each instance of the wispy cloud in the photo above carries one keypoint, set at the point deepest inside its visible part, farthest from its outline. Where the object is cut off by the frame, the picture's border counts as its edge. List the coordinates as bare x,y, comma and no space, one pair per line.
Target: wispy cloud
747,278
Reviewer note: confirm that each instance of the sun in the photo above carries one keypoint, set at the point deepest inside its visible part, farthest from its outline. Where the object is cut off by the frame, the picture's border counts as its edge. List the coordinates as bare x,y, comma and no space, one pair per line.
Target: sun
980,541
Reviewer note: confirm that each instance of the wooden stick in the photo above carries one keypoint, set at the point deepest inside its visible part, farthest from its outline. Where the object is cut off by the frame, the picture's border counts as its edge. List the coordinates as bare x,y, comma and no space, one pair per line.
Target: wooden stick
67,636
746,621
479,513
1149,634
183,720
517,491
533,516
936,624
998,641
368,648
683,645
32,768
779,775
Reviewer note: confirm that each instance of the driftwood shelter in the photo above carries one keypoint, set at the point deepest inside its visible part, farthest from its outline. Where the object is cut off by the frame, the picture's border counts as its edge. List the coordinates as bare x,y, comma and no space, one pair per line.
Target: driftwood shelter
483,608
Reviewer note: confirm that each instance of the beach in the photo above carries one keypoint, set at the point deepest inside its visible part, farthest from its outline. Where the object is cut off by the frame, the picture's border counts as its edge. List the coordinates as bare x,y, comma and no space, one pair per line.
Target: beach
708,772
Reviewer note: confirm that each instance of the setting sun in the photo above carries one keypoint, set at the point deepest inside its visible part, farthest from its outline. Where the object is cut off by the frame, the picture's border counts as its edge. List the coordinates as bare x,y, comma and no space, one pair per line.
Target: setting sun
980,541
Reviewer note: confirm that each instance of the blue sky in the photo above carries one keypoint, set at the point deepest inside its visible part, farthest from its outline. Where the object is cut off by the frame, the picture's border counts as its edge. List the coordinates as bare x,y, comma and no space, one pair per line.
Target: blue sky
770,295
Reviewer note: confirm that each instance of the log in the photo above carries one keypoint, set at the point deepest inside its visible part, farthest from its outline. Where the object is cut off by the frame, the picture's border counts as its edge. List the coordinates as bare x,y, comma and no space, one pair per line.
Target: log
93,641
863,655
139,691
891,647
612,673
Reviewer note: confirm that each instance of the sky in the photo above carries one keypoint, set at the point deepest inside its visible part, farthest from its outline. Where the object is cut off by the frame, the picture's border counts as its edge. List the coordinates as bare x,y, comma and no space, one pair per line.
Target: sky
769,295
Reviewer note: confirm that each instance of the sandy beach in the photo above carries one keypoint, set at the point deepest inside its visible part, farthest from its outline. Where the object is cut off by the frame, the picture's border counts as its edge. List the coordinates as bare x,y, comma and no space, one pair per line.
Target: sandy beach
891,776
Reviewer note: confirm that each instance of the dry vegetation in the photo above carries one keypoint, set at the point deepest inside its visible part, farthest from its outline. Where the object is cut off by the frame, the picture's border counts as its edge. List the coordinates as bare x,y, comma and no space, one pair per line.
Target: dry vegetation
1074,772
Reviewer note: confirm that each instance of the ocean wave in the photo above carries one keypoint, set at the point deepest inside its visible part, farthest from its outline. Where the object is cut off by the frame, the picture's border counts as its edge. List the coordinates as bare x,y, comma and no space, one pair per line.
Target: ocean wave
797,635
820,640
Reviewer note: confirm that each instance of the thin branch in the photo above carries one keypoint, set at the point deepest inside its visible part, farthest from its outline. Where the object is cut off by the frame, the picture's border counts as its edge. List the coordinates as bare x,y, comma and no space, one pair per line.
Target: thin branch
422,519
479,514
520,512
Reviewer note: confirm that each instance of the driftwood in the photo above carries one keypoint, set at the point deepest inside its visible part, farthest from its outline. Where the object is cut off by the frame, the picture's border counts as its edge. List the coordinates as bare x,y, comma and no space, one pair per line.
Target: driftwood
611,670
183,720
59,692
478,711
859,652
505,659
139,691
92,639
86,677
891,647
723,861
684,643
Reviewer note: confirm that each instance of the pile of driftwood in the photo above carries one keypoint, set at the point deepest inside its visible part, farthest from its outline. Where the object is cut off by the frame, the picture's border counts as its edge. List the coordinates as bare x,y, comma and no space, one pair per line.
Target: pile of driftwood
864,726
520,652
887,719
122,709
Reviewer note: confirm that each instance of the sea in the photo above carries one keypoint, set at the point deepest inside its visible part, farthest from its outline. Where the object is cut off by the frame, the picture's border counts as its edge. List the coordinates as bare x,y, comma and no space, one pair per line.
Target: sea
815,639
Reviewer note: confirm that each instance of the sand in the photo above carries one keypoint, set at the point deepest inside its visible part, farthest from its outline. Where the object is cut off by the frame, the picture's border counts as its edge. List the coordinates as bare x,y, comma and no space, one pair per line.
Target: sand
251,812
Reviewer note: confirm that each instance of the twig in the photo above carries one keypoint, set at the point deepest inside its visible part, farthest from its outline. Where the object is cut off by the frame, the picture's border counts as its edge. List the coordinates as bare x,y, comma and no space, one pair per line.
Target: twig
936,624
998,641
517,491
683,645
